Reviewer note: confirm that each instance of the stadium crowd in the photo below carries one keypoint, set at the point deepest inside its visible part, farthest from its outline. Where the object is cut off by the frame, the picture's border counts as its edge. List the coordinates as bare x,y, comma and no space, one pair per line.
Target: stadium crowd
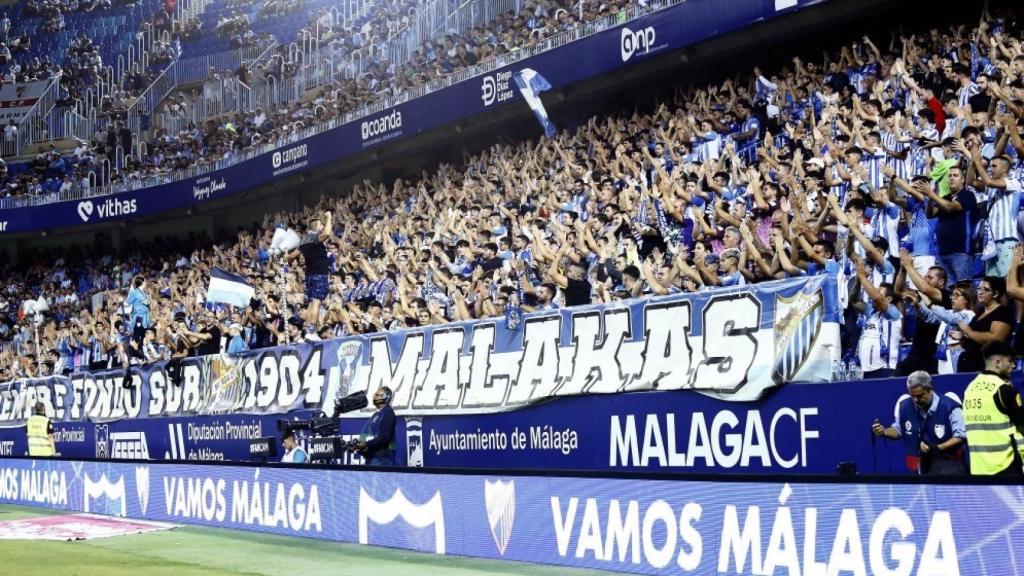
189,138
899,170
351,88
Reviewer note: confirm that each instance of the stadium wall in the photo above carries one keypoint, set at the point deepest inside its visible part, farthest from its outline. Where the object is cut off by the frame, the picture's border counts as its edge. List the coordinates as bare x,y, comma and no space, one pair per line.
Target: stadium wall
799,429
727,381
628,524
725,347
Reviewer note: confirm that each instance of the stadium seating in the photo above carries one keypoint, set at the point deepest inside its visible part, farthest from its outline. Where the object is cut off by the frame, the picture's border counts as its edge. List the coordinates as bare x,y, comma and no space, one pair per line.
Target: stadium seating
855,180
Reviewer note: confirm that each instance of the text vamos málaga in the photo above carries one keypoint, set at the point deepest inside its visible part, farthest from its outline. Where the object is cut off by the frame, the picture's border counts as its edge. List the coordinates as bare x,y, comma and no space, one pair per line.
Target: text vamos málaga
292,505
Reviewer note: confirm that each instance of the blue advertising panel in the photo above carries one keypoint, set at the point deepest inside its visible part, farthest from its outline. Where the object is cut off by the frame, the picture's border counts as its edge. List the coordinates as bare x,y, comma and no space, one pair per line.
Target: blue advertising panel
799,429
640,39
632,525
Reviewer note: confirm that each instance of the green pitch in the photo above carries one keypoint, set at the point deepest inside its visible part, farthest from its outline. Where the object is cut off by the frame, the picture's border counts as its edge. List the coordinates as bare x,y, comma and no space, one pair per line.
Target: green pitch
200,551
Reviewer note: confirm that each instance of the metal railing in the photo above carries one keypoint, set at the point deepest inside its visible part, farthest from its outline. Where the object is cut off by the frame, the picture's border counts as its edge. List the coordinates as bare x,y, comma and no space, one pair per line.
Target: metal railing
205,166
33,126
146,103
196,69
137,59
66,124
315,63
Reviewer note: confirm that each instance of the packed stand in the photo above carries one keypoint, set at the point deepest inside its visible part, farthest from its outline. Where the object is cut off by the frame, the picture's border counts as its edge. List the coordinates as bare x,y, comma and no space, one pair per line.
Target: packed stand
351,89
79,38
898,170
345,93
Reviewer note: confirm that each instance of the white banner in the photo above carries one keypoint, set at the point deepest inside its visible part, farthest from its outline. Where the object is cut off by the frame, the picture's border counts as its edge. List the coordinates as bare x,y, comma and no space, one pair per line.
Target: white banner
17,99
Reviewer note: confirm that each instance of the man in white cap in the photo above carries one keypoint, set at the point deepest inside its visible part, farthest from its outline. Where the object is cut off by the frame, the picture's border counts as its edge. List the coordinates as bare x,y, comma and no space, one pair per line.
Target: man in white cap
237,343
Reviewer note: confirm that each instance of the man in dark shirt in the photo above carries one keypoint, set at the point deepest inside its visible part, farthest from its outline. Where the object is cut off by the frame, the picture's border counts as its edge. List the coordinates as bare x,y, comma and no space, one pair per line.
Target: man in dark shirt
956,217
124,135
932,286
314,255
574,283
489,260
377,441
210,337
265,320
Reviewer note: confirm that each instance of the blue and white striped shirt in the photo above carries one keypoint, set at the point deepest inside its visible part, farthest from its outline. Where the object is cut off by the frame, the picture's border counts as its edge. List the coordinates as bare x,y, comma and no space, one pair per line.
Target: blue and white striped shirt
885,223
873,162
708,146
1004,204
964,93
841,187
891,141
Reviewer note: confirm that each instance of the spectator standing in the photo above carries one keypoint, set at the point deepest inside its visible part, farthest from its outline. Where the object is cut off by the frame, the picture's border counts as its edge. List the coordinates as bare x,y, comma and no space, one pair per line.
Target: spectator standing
881,324
317,265
1003,193
955,215
237,343
947,337
931,287
992,324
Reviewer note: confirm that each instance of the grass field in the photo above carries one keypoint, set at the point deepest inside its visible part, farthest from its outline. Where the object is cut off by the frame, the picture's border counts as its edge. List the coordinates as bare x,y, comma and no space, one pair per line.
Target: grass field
195,551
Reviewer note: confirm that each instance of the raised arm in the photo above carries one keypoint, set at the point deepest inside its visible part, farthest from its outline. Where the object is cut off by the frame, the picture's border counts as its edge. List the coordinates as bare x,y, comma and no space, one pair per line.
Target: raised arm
922,285
1013,286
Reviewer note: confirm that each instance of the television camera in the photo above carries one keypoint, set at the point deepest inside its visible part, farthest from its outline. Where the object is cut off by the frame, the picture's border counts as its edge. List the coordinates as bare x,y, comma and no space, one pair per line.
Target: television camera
325,443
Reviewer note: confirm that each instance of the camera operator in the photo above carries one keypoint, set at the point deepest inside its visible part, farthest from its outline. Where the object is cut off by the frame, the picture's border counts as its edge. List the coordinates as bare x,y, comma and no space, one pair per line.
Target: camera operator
377,441
293,453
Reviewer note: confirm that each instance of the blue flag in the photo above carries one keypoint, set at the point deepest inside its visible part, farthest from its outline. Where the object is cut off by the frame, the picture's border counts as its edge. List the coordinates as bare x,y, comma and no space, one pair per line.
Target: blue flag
531,84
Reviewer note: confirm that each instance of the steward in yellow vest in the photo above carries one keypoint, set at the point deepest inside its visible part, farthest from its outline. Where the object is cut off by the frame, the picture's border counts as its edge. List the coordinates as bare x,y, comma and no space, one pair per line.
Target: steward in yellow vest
994,413
40,433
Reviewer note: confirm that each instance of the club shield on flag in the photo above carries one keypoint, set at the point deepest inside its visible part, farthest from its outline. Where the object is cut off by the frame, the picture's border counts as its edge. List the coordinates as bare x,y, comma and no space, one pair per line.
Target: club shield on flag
229,288
531,84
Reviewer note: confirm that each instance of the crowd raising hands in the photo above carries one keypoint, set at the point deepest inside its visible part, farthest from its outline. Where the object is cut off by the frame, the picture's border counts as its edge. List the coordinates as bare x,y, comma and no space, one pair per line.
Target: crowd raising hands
895,167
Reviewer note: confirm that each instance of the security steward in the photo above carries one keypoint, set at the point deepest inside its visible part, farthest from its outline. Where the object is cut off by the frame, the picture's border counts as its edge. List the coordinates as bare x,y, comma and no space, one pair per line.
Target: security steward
931,426
377,442
994,412
40,433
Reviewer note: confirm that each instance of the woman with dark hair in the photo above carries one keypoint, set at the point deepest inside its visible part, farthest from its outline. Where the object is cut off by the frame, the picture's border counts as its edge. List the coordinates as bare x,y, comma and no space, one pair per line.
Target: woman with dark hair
993,323
964,302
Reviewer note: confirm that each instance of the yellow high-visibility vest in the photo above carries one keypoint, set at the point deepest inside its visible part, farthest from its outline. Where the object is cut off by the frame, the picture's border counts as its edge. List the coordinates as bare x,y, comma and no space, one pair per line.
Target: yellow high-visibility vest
38,439
989,431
